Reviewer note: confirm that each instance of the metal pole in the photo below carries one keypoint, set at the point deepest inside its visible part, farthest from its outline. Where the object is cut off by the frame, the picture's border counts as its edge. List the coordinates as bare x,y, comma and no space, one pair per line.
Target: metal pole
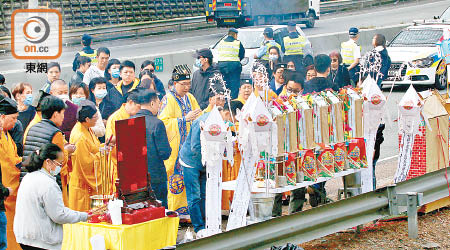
412,215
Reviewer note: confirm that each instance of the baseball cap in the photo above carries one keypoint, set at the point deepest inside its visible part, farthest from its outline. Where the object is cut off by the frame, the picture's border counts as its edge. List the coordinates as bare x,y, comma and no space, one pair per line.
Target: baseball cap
86,38
233,30
206,53
268,31
353,31
291,24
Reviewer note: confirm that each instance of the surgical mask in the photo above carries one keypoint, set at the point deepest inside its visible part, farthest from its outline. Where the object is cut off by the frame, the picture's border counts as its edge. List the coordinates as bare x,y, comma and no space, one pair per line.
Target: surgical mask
101,93
64,97
198,63
115,73
28,99
273,57
77,100
56,171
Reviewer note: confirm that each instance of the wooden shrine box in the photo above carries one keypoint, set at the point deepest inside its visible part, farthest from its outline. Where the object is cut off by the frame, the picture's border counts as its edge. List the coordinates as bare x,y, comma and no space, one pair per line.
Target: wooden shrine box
133,185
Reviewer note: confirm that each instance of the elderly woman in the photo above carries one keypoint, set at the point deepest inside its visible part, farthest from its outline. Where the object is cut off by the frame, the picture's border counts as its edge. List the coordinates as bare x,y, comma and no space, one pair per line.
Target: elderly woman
23,94
339,75
40,211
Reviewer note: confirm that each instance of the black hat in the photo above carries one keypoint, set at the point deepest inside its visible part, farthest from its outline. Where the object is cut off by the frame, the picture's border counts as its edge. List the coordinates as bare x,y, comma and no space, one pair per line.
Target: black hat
86,38
206,53
353,31
233,30
8,106
86,109
246,81
291,24
39,97
181,73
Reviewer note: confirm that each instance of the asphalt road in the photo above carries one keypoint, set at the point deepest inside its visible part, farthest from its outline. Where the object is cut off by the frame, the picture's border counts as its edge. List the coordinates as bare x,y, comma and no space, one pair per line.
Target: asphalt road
151,47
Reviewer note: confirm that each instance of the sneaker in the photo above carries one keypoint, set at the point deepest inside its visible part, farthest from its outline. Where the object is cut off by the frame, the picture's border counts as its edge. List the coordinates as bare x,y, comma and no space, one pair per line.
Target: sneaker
201,234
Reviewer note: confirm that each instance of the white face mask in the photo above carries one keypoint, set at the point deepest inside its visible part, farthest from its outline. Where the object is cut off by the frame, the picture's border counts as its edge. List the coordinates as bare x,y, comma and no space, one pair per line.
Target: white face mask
63,97
57,169
273,57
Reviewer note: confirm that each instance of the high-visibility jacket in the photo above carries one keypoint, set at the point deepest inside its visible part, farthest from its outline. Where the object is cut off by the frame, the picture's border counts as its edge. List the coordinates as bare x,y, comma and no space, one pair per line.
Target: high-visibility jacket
269,45
93,56
348,50
229,51
294,46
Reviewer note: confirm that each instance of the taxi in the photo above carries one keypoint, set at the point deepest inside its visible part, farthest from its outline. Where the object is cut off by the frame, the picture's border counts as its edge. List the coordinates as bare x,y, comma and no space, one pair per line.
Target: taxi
417,56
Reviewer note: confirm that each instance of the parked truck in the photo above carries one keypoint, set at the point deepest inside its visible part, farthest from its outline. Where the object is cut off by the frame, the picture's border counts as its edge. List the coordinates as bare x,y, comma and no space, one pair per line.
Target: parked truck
240,13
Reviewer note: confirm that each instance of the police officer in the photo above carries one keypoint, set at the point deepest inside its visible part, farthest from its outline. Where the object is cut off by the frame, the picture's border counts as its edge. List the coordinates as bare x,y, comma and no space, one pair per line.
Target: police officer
231,52
263,51
351,53
86,41
294,45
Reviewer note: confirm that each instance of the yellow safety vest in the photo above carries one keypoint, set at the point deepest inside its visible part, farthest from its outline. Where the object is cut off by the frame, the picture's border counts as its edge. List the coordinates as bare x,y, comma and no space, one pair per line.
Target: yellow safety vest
269,45
93,56
294,46
229,51
347,51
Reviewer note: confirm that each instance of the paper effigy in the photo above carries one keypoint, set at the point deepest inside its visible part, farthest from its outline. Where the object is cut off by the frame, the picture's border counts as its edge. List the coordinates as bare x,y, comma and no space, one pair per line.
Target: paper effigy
325,162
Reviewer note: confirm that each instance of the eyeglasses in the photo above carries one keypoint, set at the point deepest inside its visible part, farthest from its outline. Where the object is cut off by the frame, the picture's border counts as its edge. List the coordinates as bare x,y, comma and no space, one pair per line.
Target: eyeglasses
334,60
57,163
295,91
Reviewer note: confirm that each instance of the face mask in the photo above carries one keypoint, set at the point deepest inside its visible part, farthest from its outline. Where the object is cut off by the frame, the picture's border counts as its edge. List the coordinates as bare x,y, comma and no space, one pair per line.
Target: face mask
28,99
198,63
100,94
273,57
64,97
56,171
77,100
115,73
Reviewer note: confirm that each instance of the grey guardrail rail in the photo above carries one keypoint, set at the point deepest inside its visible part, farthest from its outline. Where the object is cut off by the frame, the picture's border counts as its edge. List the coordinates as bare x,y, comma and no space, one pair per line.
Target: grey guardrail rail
343,5
327,219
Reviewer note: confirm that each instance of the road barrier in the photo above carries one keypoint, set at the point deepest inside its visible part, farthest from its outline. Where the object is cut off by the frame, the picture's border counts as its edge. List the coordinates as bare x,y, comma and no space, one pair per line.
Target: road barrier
331,218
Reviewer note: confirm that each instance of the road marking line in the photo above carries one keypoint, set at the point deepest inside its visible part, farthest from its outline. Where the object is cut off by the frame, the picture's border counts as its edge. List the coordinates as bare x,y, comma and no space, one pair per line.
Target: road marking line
387,158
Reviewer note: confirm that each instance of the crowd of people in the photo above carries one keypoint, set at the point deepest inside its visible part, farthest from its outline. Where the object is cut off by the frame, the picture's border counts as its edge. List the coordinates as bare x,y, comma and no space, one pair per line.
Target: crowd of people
51,138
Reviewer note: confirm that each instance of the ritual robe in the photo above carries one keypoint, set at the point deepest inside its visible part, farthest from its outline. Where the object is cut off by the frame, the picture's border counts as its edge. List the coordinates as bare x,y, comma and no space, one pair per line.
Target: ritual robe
230,173
37,118
10,178
173,112
120,114
270,94
83,181
241,99
59,140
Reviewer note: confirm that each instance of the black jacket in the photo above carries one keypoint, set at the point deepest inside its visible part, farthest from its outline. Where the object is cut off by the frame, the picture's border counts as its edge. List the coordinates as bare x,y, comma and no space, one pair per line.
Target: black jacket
317,84
17,136
339,78
4,192
200,85
158,147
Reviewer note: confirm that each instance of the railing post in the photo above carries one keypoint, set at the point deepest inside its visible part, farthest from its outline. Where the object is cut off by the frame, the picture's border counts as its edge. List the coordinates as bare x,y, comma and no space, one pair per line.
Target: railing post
412,215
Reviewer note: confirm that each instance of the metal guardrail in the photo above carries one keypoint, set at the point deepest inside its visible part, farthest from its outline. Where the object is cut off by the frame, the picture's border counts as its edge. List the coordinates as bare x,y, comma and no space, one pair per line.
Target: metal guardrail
327,219
343,5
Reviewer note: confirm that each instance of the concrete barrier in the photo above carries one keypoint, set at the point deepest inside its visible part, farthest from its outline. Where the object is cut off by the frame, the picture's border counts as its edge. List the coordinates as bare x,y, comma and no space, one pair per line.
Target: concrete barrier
324,43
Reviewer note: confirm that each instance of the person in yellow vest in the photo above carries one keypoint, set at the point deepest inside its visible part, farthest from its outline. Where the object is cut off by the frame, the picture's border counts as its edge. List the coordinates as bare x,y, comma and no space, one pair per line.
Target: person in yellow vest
128,109
263,51
231,52
86,42
10,164
294,45
179,109
245,91
351,53
84,182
